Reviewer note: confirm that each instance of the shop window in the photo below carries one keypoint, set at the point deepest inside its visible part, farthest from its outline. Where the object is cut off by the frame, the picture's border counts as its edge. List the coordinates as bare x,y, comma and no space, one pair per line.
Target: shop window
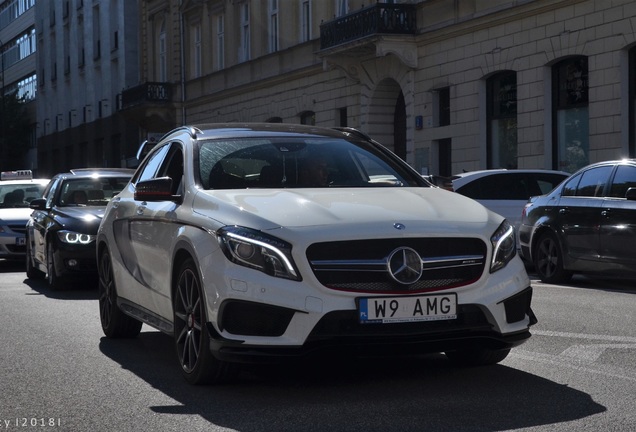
570,114
502,120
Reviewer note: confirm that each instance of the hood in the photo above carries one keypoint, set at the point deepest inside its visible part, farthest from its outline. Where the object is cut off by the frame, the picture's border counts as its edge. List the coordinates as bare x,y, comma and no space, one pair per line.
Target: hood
13,216
86,214
80,219
293,208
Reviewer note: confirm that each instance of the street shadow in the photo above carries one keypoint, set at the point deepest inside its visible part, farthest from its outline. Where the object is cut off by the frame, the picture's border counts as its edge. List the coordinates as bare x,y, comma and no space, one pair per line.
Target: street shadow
73,290
401,394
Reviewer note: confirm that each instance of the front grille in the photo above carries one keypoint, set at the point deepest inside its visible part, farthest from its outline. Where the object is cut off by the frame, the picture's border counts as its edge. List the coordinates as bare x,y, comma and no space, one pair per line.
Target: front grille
363,265
18,228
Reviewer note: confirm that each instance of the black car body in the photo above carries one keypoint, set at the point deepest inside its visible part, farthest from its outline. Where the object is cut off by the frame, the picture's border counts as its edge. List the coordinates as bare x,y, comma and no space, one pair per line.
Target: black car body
585,225
60,235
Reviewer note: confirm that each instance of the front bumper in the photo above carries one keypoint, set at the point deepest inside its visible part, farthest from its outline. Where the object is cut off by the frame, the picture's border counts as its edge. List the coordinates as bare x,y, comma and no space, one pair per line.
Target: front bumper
12,246
75,260
339,333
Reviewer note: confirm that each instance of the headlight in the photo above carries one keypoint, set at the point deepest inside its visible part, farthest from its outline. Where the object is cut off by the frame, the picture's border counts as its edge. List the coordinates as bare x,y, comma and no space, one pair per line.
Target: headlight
504,246
254,249
71,237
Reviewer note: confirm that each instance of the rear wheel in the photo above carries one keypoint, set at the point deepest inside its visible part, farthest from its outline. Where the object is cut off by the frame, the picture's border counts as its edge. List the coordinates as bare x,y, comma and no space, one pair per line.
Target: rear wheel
548,260
191,337
31,271
115,323
477,356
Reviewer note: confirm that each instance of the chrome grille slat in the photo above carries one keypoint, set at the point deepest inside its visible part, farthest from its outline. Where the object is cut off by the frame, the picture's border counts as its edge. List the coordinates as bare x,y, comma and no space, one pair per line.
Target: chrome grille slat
363,265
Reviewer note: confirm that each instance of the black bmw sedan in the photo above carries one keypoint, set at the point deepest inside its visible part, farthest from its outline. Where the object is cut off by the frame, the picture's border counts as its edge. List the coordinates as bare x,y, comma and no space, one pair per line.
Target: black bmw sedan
585,225
60,235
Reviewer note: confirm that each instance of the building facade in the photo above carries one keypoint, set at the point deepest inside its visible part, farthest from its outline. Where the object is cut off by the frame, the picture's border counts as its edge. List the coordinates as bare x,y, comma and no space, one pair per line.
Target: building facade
87,54
449,86
18,73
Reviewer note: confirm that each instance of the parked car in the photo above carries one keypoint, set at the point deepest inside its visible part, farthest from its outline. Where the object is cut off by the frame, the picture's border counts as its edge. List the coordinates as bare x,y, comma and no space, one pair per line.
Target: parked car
585,225
17,190
60,234
250,242
507,191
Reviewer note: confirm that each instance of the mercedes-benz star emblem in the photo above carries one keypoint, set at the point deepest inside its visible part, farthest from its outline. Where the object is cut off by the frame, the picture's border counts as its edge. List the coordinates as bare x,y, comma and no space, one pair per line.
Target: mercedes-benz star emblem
405,265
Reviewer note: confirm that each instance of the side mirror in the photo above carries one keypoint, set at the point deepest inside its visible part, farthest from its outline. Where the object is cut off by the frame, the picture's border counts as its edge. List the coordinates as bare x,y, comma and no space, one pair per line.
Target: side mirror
158,189
631,194
38,204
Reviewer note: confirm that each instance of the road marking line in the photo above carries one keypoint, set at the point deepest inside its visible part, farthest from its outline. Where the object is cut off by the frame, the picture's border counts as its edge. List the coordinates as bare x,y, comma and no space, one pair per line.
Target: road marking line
623,339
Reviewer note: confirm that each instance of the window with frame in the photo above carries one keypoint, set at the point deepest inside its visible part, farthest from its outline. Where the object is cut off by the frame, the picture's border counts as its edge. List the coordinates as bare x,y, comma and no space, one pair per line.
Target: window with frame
305,20
244,51
196,51
502,120
220,41
570,114
162,56
273,26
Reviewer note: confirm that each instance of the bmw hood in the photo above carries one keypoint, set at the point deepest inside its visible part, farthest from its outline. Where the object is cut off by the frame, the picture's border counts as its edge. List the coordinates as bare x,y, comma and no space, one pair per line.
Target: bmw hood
294,208
81,214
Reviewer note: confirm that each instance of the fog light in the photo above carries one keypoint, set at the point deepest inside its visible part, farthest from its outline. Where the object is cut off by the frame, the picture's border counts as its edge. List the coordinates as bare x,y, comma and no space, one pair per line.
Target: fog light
72,263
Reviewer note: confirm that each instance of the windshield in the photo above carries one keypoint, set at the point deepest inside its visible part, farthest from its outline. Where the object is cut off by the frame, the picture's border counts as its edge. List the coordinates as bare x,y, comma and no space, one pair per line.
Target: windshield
295,163
90,191
19,195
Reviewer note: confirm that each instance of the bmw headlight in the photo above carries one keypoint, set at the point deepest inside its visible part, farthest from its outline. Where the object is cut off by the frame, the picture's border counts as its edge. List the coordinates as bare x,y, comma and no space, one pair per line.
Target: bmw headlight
254,249
504,246
75,238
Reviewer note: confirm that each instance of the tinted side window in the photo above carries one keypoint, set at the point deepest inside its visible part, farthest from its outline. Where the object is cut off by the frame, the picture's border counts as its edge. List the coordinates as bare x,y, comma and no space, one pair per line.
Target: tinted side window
570,187
624,179
497,187
593,182
547,182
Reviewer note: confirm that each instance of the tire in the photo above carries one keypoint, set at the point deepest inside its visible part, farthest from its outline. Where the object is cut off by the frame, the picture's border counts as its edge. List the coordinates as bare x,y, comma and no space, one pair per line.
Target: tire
55,282
548,260
31,271
115,323
191,338
477,356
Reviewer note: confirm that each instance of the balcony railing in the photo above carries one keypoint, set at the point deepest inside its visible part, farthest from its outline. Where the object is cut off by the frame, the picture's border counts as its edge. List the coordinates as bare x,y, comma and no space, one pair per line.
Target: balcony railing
146,92
380,18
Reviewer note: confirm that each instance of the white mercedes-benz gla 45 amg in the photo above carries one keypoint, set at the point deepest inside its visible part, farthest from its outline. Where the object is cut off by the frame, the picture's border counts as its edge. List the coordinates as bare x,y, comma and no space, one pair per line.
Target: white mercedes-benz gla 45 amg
267,242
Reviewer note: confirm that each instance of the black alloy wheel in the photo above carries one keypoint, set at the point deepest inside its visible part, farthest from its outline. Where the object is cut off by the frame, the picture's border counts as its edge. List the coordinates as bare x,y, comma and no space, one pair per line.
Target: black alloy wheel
548,260
191,337
115,323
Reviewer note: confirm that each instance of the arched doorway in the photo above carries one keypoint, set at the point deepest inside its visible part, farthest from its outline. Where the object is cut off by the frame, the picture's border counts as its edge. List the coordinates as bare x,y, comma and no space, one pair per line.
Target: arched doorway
387,117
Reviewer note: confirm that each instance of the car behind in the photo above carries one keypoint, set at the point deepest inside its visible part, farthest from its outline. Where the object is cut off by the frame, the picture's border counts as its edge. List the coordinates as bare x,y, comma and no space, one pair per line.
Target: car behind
585,225
17,190
60,237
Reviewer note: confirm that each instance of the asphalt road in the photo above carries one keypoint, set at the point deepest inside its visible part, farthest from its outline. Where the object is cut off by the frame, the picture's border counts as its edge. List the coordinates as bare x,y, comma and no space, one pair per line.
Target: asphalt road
58,372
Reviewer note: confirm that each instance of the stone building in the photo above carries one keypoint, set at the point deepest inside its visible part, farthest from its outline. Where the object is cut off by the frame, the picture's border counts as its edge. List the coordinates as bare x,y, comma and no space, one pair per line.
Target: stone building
18,72
87,54
450,86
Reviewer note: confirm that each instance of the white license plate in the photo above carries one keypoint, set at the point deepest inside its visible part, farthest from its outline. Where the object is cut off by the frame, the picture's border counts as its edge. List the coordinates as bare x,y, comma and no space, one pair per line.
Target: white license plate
407,309
20,241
